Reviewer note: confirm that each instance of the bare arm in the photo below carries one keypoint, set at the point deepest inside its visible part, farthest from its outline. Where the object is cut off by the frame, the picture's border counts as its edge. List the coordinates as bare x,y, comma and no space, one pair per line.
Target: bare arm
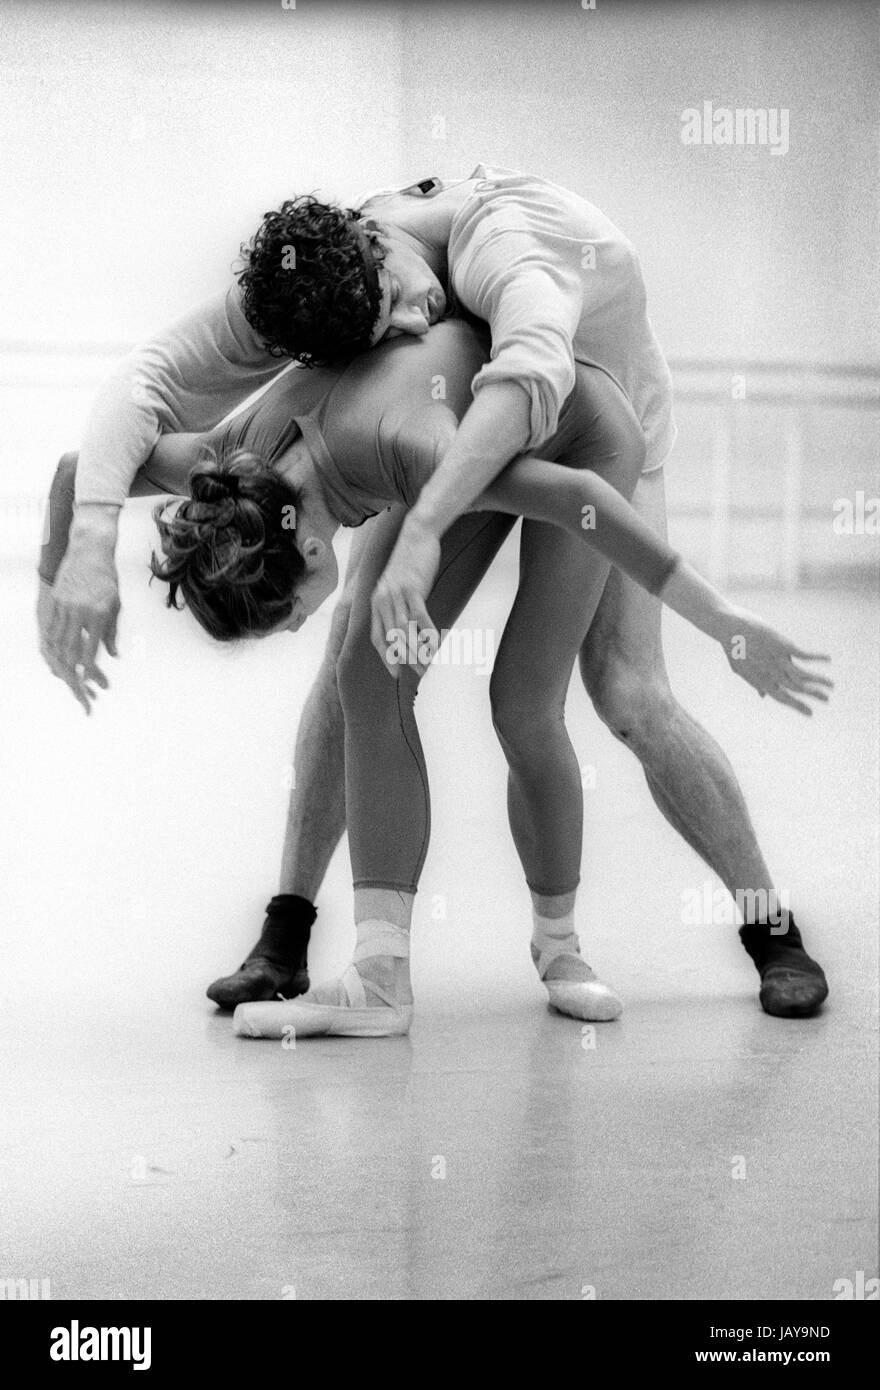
581,502
494,431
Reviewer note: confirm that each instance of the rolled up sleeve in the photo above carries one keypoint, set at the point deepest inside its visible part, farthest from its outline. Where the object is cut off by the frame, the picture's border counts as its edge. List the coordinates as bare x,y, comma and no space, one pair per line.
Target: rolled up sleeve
533,307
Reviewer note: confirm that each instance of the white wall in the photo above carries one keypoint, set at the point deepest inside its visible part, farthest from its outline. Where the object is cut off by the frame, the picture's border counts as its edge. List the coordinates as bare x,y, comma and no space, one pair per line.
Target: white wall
745,253
143,142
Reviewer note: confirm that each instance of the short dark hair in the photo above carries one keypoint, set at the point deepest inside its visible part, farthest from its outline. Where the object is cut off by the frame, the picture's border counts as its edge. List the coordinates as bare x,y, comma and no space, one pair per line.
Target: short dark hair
228,550
323,307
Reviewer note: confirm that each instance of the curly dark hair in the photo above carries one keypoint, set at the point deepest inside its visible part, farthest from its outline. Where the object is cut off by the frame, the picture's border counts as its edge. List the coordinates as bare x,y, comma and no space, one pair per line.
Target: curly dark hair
228,548
308,291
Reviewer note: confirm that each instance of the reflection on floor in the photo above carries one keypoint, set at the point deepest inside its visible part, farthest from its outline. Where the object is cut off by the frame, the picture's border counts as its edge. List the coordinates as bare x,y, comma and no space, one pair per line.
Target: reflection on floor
695,1149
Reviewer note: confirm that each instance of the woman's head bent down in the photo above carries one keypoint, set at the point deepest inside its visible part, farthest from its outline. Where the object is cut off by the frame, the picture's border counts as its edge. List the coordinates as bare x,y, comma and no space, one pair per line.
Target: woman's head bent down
233,551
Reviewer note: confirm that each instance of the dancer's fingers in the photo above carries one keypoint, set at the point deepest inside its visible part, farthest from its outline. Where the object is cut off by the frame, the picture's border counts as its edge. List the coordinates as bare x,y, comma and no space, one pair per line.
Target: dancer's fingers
792,680
784,699
813,694
402,631
71,679
403,611
94,673
813,676
400,622
69,645
805,683
70,636
808,656
110,631
804,691
90,645
381,629
422,618
90,651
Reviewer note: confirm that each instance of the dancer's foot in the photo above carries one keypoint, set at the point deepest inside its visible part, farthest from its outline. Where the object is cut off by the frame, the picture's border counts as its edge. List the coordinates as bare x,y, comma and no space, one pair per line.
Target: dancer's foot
793,985
258,978
372,999
277,965
571,985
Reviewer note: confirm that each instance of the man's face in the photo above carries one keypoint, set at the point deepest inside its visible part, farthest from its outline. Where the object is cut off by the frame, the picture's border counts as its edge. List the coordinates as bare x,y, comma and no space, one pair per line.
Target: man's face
412,296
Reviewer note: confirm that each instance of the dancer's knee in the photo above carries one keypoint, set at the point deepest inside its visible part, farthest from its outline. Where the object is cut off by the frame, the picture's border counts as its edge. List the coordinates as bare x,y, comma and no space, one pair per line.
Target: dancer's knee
521,722
367,692
635,703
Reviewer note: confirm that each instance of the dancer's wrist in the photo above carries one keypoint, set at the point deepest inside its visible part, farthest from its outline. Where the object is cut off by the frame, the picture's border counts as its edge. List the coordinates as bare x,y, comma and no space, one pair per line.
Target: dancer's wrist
687,593
423,521
95,526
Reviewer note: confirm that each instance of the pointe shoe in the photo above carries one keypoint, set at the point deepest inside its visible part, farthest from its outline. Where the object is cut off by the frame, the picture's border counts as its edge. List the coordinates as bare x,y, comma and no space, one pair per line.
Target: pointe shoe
589,1000
355,1019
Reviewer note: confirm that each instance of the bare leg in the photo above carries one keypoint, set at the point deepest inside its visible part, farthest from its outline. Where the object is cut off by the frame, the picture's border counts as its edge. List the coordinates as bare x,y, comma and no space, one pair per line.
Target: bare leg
689,777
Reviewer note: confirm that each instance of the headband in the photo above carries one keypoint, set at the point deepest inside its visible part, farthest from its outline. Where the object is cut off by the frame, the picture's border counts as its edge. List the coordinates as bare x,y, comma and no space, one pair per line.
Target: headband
371,275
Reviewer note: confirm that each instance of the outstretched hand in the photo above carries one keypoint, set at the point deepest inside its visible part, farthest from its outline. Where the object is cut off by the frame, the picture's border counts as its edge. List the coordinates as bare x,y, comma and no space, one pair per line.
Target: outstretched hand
769,663
74,617
401,625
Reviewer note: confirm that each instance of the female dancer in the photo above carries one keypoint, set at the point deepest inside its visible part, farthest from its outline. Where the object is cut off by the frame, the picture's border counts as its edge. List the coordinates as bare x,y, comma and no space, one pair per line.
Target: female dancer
374,437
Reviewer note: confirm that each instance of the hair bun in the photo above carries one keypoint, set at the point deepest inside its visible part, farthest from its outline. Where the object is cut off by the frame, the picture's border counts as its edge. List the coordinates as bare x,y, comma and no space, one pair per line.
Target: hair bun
214,486
227,549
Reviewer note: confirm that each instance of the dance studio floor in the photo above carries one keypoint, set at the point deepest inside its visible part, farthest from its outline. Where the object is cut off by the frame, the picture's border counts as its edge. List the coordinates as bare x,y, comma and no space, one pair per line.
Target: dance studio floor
695,1149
